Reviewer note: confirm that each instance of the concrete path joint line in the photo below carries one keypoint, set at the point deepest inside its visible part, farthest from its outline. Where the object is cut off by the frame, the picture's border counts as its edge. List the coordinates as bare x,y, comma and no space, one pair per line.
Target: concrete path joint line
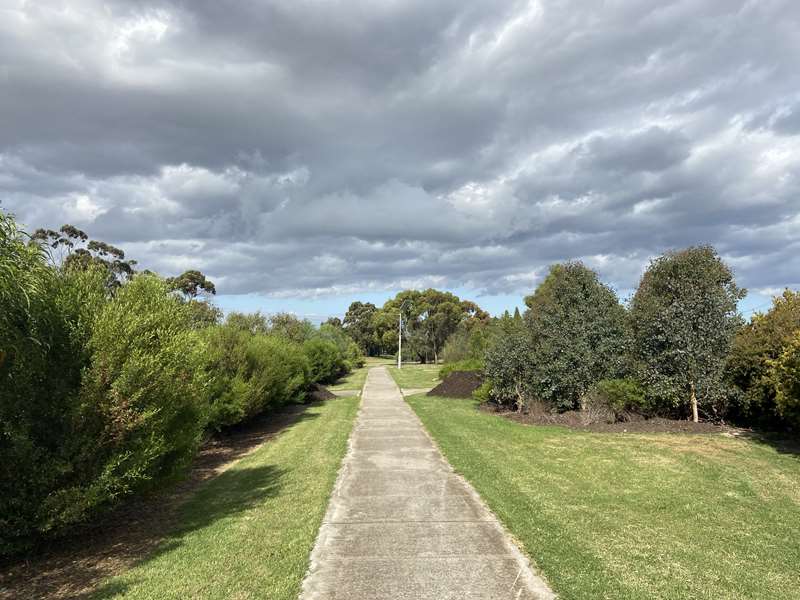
402,525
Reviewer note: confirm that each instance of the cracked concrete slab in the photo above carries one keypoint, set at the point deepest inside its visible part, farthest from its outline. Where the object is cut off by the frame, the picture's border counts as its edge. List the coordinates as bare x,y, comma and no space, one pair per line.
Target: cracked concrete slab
402,525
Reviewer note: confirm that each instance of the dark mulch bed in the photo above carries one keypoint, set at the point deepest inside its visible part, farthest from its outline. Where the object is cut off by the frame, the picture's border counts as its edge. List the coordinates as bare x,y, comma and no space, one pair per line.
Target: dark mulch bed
320,393
73,567
458,384
576,419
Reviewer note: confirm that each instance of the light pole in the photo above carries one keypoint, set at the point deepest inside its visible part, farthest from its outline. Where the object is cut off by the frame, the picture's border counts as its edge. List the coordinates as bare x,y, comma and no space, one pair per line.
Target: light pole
400,337
400,342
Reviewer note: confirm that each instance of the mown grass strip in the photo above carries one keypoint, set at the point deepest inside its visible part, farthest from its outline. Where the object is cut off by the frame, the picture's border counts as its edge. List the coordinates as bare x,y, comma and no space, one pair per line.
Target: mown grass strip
416,376
352,381
248,532
633,516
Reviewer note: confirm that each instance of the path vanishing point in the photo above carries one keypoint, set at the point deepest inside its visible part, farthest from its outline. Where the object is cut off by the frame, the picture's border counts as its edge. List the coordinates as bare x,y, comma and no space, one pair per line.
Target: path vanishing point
402,525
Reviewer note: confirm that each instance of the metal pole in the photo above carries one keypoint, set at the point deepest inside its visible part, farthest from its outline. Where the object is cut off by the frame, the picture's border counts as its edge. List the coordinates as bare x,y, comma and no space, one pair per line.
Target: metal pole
400,342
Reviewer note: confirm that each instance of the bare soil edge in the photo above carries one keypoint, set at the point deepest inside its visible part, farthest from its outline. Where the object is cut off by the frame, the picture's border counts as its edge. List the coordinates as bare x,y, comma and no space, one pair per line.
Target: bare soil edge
458,384
577,420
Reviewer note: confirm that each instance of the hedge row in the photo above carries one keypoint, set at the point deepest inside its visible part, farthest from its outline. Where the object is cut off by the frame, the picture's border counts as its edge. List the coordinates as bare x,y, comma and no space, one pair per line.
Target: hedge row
107,392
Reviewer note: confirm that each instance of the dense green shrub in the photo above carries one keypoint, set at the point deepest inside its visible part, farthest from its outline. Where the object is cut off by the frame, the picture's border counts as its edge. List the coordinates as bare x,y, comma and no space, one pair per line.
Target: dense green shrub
251,372
684,319
45,322
756,346
348,349
621,397
229,376
290,327
785,373
144,401
573,334
484,393
280,369
76,444
509,370
325,359
469,364
577,330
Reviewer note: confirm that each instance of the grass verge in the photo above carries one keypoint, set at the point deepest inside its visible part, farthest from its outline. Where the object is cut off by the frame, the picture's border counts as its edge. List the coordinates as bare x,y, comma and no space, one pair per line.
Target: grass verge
355,380
632,516
248,532
352,381
416,375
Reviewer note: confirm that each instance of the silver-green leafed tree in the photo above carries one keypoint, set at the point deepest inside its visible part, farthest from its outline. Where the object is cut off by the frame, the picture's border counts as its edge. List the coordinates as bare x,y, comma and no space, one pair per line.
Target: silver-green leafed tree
683,319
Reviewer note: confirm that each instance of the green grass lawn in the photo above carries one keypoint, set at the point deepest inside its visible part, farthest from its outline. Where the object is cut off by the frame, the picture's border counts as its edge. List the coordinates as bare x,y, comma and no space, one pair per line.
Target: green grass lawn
352,381
633,516
415,375
374,361
248,532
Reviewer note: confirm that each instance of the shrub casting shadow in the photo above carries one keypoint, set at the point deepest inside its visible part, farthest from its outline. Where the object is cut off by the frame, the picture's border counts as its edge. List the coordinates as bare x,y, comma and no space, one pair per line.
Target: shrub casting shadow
145,527
234,492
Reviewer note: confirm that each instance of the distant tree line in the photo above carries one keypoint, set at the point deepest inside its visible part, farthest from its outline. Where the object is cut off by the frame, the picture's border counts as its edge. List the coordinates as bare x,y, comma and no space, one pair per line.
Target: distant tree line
430,318
110,378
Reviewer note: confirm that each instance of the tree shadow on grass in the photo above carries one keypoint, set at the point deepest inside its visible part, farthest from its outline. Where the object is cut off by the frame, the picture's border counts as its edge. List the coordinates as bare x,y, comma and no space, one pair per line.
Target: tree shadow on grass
233,492
144,527
782,442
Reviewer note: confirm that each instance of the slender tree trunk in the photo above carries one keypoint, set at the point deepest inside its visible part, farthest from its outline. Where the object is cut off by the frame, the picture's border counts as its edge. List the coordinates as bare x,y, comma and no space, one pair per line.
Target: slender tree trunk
693,398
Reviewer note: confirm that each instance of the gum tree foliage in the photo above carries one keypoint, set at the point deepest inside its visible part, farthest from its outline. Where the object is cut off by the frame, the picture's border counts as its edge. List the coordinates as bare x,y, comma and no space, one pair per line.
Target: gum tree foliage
192,285
684,318
384,324
334,322
71,248
755,347
577,335
430,317
203,313
358,323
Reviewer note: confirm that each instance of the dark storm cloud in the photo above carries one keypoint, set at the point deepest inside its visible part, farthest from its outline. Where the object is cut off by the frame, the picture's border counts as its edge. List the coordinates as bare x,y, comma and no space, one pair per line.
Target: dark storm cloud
300,148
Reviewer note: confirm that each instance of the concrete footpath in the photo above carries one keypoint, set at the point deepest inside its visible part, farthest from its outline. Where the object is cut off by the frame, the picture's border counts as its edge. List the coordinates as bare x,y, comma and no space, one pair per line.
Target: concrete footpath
402,525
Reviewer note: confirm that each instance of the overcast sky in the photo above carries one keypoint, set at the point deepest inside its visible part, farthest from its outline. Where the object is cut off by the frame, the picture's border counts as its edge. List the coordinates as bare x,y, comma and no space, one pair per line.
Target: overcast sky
307,153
